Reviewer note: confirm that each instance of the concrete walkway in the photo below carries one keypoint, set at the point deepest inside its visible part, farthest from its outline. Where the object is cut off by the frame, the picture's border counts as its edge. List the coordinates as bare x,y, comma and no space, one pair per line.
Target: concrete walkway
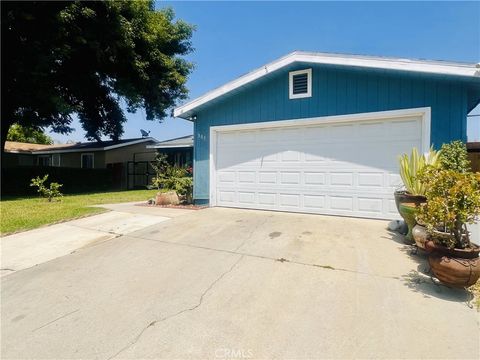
26,249
225,283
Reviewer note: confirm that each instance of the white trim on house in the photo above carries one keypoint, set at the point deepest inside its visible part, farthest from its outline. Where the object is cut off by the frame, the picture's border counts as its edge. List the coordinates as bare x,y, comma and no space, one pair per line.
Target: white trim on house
167,146
93,160
424,113
111,147
291,74
425,66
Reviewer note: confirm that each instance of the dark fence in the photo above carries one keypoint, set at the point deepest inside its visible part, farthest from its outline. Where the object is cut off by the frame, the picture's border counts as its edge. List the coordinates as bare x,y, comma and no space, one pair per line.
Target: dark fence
16,180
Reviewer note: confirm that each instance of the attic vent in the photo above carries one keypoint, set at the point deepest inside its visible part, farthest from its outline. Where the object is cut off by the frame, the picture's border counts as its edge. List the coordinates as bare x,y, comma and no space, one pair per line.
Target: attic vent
300,84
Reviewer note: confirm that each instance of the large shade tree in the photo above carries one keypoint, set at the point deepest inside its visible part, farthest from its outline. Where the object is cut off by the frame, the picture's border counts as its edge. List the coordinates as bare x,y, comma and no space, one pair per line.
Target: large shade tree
90,58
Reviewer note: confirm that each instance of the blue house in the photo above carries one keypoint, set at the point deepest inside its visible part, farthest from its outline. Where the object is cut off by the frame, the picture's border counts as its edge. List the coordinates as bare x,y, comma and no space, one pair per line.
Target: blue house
321,133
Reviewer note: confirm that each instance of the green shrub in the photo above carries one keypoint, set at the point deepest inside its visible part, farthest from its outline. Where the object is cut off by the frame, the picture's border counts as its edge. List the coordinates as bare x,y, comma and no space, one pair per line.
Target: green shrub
453,200
454,156
171,178
411,166
52,192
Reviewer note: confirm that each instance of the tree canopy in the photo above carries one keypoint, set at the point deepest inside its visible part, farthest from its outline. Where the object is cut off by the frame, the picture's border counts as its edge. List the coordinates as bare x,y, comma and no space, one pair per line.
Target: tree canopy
88,58
28,135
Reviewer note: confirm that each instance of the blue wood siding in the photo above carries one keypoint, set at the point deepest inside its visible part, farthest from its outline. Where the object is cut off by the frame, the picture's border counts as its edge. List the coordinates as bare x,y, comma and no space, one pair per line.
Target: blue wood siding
335,91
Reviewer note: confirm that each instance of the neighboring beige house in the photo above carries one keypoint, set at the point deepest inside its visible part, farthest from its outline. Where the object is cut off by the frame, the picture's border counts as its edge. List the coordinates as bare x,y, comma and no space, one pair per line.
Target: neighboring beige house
87,155
21,154
120,156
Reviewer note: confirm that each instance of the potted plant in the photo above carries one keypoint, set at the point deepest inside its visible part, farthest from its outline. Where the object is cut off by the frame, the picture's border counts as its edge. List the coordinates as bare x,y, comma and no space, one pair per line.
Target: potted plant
452,156
410,167
173,182
414,194
453,200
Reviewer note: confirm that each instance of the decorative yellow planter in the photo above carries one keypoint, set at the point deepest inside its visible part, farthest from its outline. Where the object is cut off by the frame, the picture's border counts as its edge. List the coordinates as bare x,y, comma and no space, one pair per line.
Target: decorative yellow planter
408,211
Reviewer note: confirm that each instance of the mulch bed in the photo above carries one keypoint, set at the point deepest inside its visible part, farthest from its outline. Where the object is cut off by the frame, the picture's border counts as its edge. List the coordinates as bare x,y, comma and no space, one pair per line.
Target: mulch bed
186,206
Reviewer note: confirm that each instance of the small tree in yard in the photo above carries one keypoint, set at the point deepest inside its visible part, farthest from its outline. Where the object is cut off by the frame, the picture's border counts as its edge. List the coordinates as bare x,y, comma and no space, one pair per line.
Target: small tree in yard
51,192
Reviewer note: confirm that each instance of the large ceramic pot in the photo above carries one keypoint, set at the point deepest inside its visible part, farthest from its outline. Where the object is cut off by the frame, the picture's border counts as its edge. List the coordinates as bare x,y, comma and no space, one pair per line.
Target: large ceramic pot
454,267
401,197
455,272
471,253
408,211
421,236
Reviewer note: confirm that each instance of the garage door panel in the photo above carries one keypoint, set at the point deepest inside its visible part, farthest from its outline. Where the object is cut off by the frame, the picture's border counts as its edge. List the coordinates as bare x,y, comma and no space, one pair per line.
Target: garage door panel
341,179
289,200
268,199
314,178
370,205
314,201
371,179
340,169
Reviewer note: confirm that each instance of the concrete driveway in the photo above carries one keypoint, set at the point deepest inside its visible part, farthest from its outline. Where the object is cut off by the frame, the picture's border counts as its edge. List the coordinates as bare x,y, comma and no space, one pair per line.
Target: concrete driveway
236,284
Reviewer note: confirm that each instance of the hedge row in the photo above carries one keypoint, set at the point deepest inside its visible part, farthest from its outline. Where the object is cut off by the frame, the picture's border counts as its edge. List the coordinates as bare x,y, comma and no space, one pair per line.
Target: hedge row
16,180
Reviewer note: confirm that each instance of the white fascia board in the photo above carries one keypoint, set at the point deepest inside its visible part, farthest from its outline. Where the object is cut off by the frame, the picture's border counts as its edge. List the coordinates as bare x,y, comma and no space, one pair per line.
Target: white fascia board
111,147
167,146
423,66
129,143
66,150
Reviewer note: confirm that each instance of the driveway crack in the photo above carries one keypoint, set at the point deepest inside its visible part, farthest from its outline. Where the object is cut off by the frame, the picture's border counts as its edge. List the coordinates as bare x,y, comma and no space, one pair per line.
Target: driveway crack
192,308
56,319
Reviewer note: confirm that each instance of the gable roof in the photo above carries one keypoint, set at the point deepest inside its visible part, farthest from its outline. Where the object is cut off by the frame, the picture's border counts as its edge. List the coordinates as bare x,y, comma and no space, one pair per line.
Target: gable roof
463,70
180,142
93,146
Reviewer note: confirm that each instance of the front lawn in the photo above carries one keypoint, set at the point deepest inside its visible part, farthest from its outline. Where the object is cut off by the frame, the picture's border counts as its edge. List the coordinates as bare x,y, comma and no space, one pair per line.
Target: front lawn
29,213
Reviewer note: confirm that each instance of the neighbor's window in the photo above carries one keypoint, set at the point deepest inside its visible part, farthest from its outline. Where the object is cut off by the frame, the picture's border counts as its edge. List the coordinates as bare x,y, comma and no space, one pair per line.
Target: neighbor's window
87,161
44,160
300,84
56,160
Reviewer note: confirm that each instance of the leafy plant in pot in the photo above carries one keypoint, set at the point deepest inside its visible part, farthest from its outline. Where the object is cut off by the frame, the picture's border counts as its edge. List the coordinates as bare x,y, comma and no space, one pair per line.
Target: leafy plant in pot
174,183
453,200
414,194
410,167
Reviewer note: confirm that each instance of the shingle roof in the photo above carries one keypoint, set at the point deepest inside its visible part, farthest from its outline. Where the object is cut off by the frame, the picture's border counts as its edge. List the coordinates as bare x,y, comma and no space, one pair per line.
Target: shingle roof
94,145
20,147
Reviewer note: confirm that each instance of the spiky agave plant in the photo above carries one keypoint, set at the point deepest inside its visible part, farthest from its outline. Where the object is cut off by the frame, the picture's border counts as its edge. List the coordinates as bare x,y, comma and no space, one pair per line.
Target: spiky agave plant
411,166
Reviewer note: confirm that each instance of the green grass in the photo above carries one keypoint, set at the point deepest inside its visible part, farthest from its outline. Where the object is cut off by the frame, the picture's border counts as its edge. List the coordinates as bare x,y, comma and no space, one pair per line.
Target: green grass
18,214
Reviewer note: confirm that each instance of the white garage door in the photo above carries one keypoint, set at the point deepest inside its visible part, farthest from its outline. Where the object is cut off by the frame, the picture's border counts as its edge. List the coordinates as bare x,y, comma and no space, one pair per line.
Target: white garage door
340,168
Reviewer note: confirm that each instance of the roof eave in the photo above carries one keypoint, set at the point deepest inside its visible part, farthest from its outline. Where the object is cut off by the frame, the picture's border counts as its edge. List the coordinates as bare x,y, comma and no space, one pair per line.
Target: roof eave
105,148
168,146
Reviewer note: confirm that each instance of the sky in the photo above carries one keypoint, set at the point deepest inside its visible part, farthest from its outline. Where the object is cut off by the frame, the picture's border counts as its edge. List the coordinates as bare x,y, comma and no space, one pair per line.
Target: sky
232,38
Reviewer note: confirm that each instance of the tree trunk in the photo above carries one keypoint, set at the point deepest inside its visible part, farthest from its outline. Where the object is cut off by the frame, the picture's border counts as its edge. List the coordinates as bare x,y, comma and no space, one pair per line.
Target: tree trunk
6,122
5,127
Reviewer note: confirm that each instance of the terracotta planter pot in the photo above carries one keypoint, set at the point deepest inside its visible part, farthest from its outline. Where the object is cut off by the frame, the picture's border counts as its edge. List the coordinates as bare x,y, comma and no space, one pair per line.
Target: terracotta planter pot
471,253
455,272
167,198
